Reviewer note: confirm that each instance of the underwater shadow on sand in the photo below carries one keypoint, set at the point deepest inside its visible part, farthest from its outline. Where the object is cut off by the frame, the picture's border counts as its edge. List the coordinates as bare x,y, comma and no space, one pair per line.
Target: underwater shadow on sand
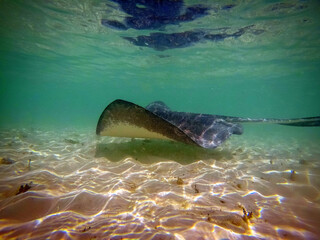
151,151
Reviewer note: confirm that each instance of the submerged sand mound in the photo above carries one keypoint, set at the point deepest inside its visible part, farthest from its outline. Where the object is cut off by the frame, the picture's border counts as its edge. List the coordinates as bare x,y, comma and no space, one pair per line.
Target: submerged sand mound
72,185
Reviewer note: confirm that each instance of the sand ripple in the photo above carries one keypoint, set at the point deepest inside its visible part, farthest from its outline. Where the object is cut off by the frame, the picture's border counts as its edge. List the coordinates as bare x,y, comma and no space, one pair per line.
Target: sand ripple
77,186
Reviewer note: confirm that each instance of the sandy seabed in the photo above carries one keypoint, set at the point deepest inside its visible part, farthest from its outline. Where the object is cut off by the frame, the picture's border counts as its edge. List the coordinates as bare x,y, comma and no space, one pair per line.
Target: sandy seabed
74,185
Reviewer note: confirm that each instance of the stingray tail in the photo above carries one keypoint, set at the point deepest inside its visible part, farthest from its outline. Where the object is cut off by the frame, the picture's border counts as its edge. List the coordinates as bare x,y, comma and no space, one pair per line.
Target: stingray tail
303,122
296,122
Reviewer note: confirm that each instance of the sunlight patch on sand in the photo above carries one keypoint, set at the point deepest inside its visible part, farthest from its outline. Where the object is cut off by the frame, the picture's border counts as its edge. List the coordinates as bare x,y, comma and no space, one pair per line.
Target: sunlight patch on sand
74,185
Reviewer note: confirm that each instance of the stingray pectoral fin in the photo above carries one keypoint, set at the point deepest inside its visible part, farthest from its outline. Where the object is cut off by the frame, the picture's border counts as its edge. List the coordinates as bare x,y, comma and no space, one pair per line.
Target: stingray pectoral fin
125,119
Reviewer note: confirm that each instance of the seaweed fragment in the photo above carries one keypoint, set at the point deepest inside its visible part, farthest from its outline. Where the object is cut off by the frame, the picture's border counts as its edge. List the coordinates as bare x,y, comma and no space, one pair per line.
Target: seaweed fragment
24,188
179,181
246,215
196,190
86,229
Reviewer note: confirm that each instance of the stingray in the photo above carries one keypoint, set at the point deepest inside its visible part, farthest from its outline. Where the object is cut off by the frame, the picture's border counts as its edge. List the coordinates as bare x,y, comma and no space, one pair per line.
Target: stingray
155,14
163,41
125,119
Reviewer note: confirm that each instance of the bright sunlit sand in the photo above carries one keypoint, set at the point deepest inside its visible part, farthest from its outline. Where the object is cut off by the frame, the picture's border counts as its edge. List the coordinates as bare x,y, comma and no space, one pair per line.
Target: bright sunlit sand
74,185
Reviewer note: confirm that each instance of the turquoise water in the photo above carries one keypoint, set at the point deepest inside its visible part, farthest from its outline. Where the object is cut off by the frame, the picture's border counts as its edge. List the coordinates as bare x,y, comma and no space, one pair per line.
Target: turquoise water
60,67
